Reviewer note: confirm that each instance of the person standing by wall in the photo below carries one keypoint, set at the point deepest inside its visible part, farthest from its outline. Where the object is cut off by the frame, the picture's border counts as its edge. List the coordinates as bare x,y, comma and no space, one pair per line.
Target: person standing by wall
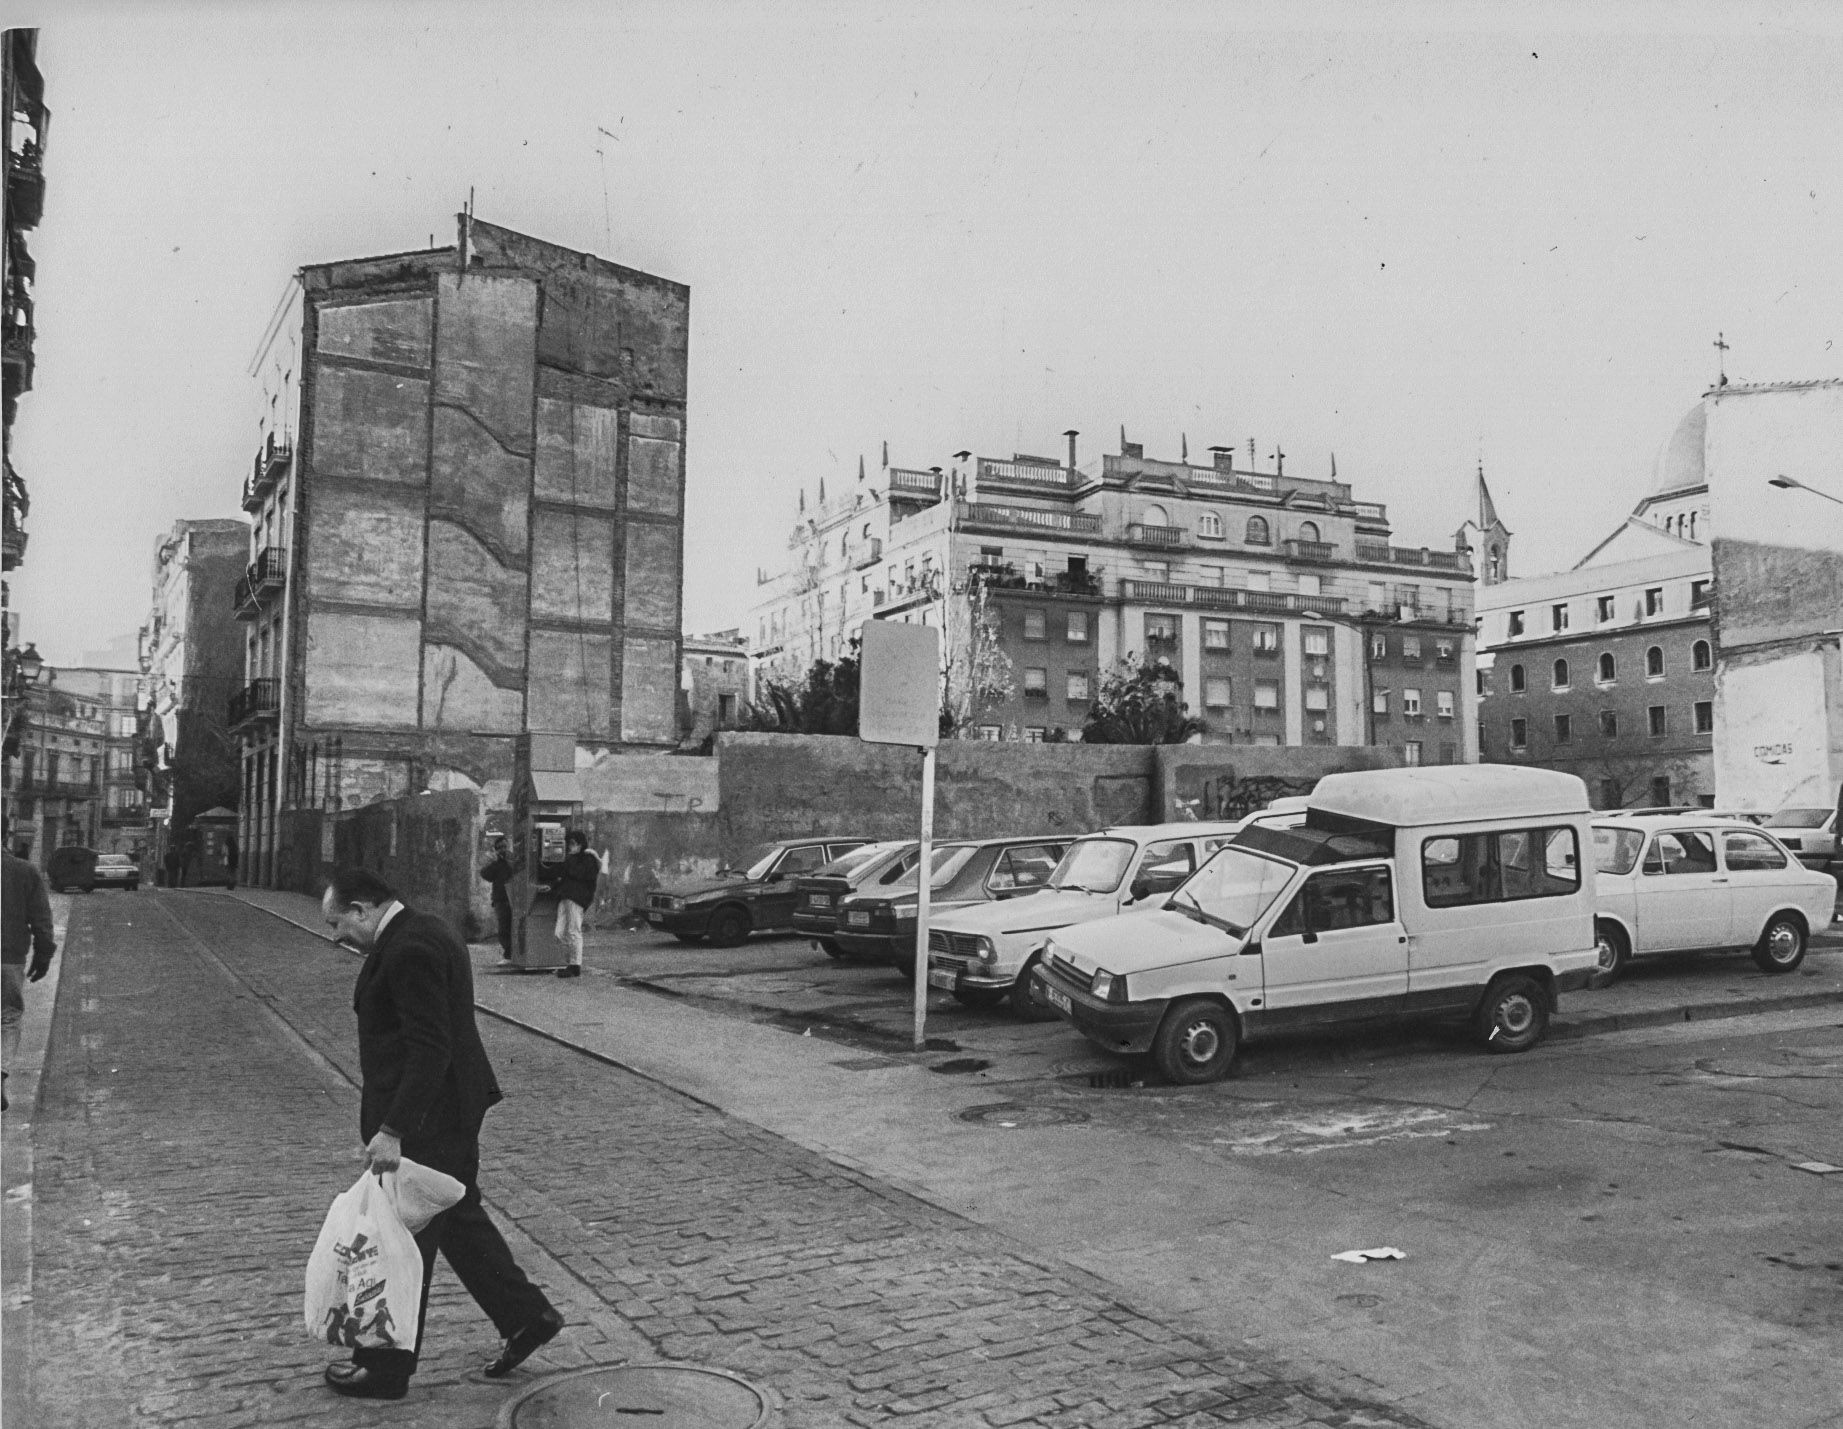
25,916
573,881
498,871
425,1089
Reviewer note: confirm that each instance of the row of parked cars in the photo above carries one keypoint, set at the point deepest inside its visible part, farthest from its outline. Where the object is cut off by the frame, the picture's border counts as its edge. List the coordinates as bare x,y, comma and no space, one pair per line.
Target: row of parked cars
1474,891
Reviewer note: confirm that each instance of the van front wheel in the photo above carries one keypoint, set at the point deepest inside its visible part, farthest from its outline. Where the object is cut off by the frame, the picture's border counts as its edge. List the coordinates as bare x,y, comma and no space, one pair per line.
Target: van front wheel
1513,1015
1196,1043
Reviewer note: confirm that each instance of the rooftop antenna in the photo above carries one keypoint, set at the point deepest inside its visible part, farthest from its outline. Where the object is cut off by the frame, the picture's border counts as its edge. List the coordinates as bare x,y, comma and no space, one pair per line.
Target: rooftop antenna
607,212
1721,361
467,229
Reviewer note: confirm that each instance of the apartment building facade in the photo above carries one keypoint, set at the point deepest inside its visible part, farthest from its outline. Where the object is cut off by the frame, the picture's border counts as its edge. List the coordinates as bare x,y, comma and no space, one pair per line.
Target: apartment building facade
466,521
75,777
1279,601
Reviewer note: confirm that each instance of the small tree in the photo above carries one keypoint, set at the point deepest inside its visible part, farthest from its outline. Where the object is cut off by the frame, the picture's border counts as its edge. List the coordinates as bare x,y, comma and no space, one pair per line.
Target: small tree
825,701
1140,703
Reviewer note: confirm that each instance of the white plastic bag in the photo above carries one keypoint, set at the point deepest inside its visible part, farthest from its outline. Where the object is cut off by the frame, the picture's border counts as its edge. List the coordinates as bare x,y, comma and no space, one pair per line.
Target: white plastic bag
364,1279
421,1193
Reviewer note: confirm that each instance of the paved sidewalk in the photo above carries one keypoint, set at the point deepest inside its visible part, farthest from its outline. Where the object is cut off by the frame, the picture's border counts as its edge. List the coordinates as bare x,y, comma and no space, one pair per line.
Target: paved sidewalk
199,1115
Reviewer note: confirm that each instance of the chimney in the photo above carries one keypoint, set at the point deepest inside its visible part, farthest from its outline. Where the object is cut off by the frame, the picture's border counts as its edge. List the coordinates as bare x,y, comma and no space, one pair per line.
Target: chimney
1222,458
1071,434
1251,465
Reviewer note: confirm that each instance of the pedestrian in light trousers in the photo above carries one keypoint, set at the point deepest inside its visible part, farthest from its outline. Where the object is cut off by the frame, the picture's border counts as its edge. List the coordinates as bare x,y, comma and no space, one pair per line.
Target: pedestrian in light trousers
573,881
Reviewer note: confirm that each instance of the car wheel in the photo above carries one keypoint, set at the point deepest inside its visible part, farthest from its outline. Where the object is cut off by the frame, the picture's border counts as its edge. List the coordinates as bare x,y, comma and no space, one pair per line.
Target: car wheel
830,947
1782,946
1513,1015
729,928
1196,1043
979,996
89,888
689,937
1024,1003
134,888
1615,952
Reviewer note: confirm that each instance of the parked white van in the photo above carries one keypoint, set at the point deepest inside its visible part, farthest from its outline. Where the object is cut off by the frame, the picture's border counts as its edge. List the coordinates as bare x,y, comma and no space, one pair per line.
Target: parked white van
1454,890
983,954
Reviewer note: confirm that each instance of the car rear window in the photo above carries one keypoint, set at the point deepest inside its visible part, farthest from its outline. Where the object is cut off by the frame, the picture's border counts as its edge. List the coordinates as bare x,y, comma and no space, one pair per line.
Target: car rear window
1797,818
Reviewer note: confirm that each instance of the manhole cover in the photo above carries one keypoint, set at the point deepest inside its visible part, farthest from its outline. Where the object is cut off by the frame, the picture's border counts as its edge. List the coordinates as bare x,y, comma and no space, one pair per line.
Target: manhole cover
647,1396
867,1064
1015,1116
961,1065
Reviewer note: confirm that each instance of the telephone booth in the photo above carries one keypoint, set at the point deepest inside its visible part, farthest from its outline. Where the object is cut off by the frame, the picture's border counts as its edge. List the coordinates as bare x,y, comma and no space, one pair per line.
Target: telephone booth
546,803
211,853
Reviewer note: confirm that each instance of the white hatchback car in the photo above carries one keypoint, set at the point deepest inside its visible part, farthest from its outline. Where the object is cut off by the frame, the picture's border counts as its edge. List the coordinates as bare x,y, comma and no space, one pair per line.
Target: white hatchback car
1679,882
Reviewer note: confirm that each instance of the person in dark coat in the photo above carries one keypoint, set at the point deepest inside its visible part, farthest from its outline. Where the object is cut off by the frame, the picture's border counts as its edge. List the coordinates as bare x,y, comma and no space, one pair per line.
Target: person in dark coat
426,1086
573,881
499,871
25,913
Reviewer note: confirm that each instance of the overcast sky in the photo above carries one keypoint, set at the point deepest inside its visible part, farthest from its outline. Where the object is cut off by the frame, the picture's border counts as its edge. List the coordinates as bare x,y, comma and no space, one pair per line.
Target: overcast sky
1415,236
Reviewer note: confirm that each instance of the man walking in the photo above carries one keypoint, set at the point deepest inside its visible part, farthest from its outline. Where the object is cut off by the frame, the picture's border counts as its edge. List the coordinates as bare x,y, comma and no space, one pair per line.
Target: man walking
498,871
426,1089
25,923
573,881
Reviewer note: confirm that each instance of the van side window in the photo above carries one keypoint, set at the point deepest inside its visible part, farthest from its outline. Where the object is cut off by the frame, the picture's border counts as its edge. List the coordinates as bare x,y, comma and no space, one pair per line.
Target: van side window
1500,867
1340,898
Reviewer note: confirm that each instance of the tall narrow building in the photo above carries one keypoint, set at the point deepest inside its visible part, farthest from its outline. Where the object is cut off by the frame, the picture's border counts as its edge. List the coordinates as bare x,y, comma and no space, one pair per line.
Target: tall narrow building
467,521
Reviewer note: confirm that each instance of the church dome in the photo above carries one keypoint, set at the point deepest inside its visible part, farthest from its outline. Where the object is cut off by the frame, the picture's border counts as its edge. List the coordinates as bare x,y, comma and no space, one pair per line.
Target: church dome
1679,463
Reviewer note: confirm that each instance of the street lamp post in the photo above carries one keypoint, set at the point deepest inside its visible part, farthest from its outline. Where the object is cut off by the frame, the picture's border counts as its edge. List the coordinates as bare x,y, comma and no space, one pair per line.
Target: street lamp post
1792,483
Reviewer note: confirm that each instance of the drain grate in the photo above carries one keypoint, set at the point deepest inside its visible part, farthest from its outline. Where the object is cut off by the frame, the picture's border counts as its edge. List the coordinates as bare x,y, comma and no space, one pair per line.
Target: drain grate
1017,1116
660,1396
1113,1079
961,1065
867,1064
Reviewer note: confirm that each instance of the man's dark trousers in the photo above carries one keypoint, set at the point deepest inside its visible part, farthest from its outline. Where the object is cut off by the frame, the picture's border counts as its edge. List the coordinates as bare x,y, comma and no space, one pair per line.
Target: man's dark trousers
473,1246
503,912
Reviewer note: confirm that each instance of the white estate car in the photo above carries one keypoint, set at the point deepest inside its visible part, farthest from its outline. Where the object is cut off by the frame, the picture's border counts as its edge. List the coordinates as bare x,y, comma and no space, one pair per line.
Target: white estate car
1678,882
1811,834
983,954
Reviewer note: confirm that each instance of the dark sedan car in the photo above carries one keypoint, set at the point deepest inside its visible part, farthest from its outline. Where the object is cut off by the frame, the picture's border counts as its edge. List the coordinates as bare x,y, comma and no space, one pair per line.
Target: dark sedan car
756,895
880,925
816,898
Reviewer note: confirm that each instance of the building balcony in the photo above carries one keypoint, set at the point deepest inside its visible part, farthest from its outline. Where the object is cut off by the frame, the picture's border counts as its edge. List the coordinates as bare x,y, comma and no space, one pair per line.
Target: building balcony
1320,552
57,788
272,462
977,514
266,575
257,701
1221,598
1164,536
1026,473
915,483
18,503
25,188
1374,554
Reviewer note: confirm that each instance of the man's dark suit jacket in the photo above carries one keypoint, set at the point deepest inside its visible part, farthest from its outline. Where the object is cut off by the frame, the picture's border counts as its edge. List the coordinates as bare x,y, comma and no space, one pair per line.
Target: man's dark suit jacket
424,1068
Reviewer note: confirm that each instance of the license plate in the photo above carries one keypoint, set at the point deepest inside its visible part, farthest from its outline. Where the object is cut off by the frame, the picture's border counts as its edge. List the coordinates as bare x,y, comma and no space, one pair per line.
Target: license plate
818,900
857,919
655,917
942,977
1058,1000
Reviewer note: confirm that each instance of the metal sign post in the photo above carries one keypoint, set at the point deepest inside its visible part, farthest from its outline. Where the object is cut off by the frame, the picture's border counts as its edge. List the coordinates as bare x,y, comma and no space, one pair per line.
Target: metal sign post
899,702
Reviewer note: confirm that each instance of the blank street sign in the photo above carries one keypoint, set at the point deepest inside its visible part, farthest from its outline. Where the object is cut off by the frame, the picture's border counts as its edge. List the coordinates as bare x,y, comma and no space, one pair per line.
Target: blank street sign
899,684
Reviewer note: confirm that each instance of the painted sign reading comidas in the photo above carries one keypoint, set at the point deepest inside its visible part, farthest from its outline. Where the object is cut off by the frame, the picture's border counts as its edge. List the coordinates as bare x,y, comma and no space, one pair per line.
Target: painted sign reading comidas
1771,742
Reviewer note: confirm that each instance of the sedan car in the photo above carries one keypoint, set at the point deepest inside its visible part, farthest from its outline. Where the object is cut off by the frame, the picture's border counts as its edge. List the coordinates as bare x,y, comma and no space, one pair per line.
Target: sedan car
1675,883
967,873
817,896
116,870
753,896
1811,834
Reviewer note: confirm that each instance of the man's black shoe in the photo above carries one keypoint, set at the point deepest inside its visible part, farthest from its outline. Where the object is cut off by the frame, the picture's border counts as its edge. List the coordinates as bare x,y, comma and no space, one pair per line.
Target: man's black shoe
573,970
358,1382
525,1343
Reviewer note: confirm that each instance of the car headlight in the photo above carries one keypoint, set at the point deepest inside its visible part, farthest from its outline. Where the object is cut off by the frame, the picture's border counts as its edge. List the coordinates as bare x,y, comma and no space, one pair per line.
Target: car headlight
985,950
1108,987
675,903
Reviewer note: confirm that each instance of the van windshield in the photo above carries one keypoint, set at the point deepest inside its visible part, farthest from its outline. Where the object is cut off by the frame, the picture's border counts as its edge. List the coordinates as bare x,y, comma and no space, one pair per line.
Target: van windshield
1093,865
1234,888
1616,850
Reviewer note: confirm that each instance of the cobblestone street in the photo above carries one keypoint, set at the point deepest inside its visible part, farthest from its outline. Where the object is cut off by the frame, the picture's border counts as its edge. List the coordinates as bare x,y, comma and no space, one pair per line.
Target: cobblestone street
199,1114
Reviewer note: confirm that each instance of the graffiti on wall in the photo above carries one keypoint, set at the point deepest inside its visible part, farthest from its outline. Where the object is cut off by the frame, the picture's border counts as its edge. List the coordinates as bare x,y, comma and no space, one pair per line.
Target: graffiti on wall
1223,795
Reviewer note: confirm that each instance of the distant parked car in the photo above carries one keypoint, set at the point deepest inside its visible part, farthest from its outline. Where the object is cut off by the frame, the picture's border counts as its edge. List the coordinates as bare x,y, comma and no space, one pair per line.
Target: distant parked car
1809,833
984,956
751,897
116,870
72,866
1677,882
816,897
966,873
